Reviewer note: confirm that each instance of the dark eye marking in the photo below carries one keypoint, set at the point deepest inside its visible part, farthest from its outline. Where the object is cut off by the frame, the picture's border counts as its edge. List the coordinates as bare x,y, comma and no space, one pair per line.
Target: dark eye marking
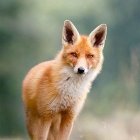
90,55
74,54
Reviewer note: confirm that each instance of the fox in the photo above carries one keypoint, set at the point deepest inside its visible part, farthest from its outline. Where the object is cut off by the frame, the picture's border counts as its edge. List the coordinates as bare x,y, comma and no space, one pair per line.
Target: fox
54,91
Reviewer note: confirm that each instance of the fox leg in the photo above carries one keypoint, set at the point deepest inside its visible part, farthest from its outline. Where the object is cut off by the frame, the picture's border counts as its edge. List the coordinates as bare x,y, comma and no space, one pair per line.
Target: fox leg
66,125
38,128
54,128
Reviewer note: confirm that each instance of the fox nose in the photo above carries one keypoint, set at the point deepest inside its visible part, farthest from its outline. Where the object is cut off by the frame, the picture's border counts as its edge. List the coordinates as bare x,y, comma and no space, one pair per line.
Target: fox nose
81,70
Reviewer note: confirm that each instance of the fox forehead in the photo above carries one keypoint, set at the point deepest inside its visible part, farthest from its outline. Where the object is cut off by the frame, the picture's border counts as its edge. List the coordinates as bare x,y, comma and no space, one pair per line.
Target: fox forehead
82,47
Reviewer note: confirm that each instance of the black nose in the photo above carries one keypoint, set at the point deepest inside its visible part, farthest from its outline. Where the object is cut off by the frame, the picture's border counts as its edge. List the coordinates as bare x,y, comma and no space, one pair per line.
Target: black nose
81,70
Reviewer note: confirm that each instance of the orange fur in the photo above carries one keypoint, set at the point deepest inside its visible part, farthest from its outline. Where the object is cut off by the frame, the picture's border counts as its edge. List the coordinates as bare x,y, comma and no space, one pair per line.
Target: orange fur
53,94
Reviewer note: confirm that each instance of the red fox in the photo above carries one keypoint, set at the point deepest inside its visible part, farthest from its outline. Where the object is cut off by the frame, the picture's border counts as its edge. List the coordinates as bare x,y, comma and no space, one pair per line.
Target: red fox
55,91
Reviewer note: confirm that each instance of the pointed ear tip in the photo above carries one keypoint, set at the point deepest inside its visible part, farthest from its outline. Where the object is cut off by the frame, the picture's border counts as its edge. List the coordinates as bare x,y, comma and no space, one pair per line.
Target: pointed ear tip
67,21
104,26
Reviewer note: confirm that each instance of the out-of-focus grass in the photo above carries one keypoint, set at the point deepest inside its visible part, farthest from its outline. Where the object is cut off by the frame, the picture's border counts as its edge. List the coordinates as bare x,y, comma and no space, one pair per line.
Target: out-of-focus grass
118,126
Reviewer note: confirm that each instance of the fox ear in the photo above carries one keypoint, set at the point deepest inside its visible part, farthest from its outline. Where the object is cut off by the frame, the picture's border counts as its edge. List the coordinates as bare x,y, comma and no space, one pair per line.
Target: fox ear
98,36
70,34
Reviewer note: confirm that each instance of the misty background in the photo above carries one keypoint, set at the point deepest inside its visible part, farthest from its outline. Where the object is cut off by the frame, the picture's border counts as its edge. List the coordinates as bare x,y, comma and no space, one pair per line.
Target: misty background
30,32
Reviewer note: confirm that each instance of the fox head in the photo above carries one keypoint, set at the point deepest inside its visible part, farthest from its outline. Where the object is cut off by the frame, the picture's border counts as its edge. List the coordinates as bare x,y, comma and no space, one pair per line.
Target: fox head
83,53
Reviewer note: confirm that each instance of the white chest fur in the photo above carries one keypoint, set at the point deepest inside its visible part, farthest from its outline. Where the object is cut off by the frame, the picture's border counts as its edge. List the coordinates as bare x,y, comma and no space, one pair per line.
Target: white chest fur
71,91
73,87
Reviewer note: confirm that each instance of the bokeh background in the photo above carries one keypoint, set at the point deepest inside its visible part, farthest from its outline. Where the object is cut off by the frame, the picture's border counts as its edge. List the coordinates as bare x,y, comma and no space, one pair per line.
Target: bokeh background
30,32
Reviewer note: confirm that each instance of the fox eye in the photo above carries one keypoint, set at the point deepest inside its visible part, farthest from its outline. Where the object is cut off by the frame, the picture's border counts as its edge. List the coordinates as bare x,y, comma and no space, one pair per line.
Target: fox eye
74,54
90,55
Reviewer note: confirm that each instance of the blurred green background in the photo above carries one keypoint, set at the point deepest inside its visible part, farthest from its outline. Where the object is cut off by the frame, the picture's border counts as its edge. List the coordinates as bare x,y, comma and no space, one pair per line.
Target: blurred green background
30,32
